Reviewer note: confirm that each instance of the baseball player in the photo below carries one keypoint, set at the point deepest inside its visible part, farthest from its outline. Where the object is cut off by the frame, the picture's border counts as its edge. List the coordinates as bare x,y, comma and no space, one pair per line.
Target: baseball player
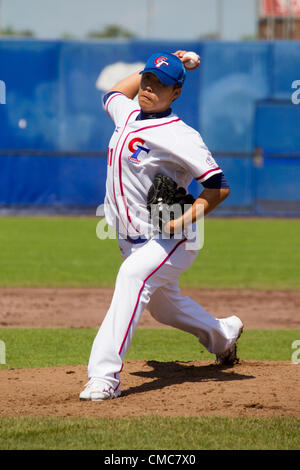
149,139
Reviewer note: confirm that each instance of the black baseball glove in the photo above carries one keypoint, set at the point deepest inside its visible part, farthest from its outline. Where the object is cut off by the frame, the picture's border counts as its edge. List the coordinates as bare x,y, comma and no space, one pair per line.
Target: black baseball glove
166,201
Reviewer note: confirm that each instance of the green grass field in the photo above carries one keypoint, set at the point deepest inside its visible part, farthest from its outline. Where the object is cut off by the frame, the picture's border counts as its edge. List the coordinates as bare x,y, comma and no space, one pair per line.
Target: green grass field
237,253
47,347
150,433
57,251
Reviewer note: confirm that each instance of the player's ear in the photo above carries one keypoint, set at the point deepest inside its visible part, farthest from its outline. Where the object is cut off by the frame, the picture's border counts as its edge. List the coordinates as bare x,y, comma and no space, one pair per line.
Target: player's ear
176,93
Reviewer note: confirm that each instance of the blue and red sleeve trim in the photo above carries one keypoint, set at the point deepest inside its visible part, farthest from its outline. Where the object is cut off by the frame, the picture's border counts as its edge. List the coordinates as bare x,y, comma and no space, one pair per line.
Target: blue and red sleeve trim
107,95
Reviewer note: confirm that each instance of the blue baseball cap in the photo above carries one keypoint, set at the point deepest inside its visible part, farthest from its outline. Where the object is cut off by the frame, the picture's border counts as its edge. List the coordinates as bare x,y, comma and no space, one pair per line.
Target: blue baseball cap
166,67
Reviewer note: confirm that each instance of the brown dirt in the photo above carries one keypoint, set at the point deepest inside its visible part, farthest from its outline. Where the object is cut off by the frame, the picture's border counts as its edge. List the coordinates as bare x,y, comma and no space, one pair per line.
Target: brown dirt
164,389
251,388
83,308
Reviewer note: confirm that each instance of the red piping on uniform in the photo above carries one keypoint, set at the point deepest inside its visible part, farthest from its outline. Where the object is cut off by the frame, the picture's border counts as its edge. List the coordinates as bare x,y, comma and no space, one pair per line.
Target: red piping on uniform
113,168
120,164
207,172
113,96
143,285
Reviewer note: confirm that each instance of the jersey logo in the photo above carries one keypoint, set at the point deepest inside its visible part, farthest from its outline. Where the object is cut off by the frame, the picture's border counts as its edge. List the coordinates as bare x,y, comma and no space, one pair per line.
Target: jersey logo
210,161
161,60
136,147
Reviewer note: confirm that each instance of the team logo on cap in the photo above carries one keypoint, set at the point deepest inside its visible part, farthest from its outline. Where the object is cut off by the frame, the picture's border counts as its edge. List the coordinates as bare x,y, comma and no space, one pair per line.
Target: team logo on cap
136,147
159,61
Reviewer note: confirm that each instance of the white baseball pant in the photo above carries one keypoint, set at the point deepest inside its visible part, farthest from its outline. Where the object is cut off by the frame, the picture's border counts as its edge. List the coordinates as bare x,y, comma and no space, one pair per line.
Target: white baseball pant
148,277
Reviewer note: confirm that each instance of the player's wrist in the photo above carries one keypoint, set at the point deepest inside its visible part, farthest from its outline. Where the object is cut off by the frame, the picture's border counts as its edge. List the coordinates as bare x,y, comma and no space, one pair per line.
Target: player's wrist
169,227
173,226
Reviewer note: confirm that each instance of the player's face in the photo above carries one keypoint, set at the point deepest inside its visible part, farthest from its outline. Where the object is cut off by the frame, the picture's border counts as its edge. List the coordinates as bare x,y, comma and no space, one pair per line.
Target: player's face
154,96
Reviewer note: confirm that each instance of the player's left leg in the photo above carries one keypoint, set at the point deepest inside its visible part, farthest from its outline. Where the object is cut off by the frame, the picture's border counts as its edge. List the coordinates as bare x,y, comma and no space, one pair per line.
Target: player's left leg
169,307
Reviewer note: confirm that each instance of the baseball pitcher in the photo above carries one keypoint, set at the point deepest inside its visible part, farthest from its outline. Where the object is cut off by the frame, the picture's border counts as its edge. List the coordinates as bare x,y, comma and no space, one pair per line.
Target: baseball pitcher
152,158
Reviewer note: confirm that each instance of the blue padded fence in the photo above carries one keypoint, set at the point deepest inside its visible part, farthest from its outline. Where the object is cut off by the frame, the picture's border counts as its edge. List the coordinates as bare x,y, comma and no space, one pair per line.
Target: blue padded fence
54,132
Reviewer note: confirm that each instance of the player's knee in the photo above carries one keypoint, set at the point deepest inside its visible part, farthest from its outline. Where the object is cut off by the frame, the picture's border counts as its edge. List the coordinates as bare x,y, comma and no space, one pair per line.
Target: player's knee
129,270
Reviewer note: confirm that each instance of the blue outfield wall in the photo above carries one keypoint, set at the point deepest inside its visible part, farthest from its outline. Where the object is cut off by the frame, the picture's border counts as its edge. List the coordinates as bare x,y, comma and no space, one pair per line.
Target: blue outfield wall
54,133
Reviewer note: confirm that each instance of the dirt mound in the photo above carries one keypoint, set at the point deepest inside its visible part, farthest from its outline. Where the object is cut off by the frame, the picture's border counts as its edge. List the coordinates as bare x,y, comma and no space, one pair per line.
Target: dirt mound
195,388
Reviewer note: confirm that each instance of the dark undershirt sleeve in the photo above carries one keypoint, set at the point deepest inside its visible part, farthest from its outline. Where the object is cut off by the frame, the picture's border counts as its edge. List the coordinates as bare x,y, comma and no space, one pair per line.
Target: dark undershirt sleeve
216,182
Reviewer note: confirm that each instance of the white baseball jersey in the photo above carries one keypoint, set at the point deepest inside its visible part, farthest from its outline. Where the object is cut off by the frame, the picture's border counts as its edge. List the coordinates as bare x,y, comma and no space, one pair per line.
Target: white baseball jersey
138,150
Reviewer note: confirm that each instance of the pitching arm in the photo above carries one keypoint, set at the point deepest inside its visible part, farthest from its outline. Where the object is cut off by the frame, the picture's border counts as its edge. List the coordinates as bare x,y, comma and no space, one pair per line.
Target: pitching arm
129,86
208,200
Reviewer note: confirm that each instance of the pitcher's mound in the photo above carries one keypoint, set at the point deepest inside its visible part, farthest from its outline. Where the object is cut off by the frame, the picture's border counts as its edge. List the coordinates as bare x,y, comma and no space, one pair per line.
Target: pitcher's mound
196,388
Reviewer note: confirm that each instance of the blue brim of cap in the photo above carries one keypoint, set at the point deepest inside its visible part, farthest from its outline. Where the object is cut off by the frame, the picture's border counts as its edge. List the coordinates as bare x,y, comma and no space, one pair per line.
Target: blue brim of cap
162,76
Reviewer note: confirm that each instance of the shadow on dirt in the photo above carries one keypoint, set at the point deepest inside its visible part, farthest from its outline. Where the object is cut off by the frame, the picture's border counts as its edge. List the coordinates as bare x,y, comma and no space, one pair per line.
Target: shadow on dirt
165,374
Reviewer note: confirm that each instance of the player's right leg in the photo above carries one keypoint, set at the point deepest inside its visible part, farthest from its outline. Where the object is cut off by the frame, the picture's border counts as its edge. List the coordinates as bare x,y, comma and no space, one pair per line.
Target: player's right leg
146,269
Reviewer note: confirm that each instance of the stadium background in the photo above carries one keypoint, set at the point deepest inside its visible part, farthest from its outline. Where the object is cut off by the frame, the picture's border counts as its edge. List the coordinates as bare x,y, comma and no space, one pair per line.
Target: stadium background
54,133
57,277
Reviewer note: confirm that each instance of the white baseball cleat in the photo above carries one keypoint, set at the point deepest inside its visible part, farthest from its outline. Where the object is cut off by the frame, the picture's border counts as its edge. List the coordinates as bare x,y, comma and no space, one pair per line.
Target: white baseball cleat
229,357
97,390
